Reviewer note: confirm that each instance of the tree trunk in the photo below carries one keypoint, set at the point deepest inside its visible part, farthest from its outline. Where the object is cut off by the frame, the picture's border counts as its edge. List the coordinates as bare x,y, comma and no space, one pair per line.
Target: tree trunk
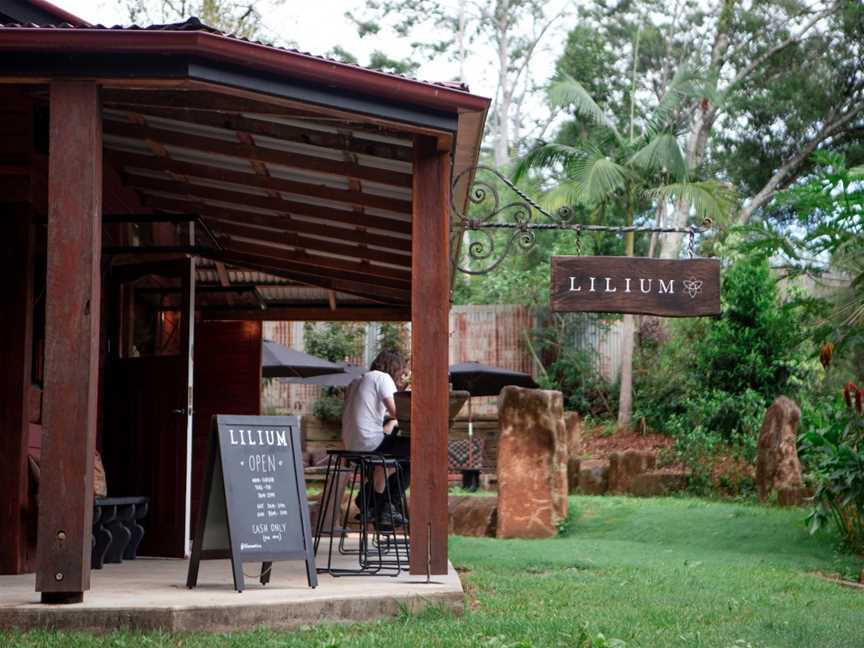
625,392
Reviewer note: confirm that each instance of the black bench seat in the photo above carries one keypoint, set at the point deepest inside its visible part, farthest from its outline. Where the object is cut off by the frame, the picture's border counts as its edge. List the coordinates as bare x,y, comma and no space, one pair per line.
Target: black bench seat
117,531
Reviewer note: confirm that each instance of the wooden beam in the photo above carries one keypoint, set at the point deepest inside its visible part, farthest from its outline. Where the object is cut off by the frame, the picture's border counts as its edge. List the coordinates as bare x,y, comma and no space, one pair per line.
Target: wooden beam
16,344
218,174
312,314
210,96
288,132
300,161
430,305
267,202
302,242
318,277
281,222
71,341
224,279
300,258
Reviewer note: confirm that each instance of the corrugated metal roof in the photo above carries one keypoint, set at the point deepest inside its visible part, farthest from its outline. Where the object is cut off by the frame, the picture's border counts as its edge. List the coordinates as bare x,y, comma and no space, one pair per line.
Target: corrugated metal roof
194,24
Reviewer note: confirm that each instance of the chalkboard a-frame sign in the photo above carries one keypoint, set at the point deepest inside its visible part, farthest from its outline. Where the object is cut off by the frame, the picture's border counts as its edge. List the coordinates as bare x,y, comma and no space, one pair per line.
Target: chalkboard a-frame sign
253,506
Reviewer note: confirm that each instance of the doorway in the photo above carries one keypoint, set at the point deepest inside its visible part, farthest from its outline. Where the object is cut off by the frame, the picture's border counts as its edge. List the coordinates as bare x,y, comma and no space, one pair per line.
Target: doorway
146,430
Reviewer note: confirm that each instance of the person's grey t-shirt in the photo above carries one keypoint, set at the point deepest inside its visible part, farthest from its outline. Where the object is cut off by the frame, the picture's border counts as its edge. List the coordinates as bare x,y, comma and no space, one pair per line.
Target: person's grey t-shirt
363,416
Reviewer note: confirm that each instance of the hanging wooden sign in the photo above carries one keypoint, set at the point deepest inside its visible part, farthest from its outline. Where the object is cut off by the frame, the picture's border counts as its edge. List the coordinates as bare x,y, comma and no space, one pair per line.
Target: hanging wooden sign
638,285
253,506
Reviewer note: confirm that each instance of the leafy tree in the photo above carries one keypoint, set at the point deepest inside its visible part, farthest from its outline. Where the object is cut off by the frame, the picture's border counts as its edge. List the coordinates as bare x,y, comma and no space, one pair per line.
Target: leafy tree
606,170
814,227
779,80
242,18
391,337
506,33
334,341
378,60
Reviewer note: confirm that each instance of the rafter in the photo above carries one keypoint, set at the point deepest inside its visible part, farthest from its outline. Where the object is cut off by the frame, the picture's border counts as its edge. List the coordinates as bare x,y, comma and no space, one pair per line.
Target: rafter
266,202
300,258
207,172
297,240
286,132
280,222
290,159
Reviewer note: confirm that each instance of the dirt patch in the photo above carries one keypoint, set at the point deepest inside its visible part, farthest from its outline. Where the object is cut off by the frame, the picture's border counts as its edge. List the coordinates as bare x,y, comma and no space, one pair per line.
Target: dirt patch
595,445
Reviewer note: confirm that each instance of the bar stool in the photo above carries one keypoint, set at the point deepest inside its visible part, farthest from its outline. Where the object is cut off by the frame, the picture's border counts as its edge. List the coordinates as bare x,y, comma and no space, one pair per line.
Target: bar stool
382,550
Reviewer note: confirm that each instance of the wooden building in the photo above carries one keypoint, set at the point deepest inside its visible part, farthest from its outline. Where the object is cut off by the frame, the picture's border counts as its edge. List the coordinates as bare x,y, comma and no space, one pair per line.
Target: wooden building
165,190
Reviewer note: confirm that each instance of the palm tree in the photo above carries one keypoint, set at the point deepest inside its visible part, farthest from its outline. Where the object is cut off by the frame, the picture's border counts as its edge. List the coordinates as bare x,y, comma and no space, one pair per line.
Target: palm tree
606,171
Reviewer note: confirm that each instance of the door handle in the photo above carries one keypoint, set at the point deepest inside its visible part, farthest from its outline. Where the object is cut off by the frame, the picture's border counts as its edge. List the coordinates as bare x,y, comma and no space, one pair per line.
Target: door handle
179,412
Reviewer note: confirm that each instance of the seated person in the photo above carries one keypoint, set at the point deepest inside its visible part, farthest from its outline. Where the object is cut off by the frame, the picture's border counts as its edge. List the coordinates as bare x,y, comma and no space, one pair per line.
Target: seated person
369,425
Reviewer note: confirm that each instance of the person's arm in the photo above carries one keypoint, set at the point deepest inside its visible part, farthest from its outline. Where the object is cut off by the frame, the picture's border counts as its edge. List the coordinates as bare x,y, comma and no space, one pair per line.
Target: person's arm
390,406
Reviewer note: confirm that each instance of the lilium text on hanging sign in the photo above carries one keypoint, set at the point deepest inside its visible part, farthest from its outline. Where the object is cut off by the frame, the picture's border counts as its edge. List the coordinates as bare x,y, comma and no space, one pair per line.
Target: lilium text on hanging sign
638,285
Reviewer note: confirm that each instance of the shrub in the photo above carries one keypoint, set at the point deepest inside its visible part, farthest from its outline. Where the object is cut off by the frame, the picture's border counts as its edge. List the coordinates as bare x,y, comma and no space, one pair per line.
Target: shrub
571,369
334,341
834,454
330,406
711,382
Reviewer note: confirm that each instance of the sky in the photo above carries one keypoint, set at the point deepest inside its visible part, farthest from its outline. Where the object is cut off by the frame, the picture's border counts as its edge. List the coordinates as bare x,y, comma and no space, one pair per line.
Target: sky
318,25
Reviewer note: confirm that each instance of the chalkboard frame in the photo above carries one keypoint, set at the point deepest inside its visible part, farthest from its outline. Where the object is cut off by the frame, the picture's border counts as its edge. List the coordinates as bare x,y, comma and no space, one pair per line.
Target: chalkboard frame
222,498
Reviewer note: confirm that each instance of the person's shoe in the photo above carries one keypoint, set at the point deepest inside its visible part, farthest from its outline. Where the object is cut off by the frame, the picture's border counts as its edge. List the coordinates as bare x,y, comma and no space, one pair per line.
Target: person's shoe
389,518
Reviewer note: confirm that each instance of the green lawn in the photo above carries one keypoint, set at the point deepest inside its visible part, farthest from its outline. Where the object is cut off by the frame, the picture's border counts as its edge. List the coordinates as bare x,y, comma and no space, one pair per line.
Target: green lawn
652,573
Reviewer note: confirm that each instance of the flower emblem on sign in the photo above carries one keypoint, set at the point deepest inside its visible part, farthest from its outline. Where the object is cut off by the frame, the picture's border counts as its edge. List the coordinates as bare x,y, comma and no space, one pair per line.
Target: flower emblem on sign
693,286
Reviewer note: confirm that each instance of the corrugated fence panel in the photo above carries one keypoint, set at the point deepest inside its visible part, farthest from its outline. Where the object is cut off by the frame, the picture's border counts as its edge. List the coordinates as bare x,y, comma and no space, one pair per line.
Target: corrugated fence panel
493,335
604,338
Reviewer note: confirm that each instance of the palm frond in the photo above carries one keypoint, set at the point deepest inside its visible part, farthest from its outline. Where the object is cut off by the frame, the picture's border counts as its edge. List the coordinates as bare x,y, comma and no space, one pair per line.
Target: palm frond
662,153
547,156
687,83
708,198
568,92
596,178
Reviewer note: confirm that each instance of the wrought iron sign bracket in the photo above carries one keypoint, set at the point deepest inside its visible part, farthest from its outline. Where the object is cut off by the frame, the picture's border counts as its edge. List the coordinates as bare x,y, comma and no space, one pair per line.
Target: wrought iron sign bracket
523,218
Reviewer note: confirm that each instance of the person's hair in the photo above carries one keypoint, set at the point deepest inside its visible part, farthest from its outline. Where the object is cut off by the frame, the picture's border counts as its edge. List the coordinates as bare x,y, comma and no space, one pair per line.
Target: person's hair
390,362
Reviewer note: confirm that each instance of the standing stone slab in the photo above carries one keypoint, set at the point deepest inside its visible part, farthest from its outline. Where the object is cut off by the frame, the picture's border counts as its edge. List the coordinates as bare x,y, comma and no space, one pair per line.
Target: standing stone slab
532,463
472,515
777,465
593,476
573,426
625,466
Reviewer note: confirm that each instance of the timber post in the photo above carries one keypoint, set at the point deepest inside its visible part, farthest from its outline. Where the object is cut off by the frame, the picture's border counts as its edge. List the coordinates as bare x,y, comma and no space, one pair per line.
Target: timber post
72,315
430,305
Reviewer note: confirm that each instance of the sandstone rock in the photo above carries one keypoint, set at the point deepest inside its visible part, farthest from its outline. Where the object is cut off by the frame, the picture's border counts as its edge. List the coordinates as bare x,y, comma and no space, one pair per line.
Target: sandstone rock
573,467
472,516
532,463
777,465
657,483
593,476
624,466
573,427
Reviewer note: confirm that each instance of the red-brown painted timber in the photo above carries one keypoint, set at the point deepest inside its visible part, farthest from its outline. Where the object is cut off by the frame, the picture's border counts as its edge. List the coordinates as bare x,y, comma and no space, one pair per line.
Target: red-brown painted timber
247,54
71,341
430,305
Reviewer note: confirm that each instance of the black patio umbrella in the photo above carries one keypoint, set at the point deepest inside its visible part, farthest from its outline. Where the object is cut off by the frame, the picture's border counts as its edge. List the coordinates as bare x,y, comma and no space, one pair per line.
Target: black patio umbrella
278,361
484,380
350,373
